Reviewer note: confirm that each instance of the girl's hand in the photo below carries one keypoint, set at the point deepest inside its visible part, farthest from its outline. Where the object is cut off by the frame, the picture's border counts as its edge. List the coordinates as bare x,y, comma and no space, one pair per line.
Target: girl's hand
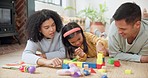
101,48
56,62
79,52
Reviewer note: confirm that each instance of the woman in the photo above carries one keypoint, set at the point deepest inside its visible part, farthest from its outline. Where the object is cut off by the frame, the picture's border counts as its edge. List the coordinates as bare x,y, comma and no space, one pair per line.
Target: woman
43,30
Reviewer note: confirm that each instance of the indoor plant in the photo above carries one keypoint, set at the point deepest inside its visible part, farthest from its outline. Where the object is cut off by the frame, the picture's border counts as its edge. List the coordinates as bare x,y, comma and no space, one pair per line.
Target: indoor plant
96,16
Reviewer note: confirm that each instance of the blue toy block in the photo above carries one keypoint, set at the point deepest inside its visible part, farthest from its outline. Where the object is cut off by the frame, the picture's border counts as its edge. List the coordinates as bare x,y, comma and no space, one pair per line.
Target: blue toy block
65,66
104,76
86,72
90,65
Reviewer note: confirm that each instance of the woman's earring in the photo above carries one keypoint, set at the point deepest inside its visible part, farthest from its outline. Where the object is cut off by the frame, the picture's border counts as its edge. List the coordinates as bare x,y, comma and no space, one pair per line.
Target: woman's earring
40,34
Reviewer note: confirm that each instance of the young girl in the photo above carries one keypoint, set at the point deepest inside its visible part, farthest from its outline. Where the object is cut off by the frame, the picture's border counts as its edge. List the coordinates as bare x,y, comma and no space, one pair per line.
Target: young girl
82,44
43,30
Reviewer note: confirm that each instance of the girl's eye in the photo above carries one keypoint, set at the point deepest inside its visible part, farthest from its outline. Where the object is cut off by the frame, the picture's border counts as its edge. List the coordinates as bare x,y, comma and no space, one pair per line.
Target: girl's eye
46,27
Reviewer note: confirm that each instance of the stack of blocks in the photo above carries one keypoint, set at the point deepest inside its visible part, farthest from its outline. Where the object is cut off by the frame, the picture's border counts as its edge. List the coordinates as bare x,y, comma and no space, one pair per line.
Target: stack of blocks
99,63
78,64
100,60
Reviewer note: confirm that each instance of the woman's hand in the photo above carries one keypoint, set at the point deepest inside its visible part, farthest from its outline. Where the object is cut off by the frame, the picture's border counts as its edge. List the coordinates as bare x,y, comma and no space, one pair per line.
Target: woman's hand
79,52
101,48
56,62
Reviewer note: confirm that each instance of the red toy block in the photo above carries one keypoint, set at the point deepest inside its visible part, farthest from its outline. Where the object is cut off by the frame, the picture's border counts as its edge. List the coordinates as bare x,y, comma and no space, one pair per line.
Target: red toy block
117,63
99,66
92,70
103,64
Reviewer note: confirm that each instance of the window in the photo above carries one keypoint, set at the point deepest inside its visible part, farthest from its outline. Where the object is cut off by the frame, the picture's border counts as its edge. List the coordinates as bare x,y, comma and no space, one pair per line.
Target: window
54,2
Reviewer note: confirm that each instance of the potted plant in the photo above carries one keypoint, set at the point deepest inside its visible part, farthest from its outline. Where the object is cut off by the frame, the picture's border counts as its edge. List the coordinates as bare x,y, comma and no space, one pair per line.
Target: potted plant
88,12
96,17
100,16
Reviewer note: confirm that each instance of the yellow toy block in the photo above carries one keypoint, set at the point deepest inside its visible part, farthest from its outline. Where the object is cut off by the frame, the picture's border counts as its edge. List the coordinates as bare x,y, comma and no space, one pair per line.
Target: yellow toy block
100,56
99,61
65,61
128,71
79,64
102,70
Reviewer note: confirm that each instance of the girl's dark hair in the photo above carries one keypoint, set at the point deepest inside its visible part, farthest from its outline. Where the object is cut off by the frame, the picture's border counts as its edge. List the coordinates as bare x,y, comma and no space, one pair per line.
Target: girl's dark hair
70,48
131,12
35,21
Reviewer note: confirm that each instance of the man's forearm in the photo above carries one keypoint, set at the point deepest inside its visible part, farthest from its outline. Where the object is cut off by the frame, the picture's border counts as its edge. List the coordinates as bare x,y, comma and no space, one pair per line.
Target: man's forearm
125,56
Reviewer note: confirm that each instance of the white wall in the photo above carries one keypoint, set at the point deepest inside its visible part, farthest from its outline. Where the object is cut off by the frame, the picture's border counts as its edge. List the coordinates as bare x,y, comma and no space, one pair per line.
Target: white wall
59,9
40,6
111,4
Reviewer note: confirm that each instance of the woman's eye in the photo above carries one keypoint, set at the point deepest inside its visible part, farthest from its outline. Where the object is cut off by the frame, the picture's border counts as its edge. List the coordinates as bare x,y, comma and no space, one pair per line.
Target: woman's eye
46,27
53,25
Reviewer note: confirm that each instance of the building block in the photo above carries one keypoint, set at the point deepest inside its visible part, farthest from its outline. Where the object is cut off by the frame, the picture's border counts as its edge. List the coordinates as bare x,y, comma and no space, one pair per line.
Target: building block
103,64
86,67
99,58
104,76
90,65
86,72
99,66
75,75
79,64
128,71
99,61
117,63
102,70
65,66
111,61
92,70
75,59
65,61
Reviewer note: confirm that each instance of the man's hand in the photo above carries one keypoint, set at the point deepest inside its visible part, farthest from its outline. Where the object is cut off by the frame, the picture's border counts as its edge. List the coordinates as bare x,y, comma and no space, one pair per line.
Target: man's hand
144,59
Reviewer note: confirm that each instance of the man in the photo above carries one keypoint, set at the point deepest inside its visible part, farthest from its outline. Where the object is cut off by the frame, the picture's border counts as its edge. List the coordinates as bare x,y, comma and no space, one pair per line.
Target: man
128,34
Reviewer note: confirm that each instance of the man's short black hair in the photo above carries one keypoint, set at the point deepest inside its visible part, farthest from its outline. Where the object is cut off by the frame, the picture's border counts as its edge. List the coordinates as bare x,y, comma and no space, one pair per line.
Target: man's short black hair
130,12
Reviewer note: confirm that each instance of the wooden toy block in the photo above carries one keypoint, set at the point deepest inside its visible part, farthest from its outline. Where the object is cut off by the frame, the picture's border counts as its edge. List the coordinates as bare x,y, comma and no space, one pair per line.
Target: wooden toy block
127,71
111,61
86,67
90,65
117,63
92,70
99,66
65,66
104,76
103,64
100,56
79,64
99,61
86,72
66,61
102,70
75,59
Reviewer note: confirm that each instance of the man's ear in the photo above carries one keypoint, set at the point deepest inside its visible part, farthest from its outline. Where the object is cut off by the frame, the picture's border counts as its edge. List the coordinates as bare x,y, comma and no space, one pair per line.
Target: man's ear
138,24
